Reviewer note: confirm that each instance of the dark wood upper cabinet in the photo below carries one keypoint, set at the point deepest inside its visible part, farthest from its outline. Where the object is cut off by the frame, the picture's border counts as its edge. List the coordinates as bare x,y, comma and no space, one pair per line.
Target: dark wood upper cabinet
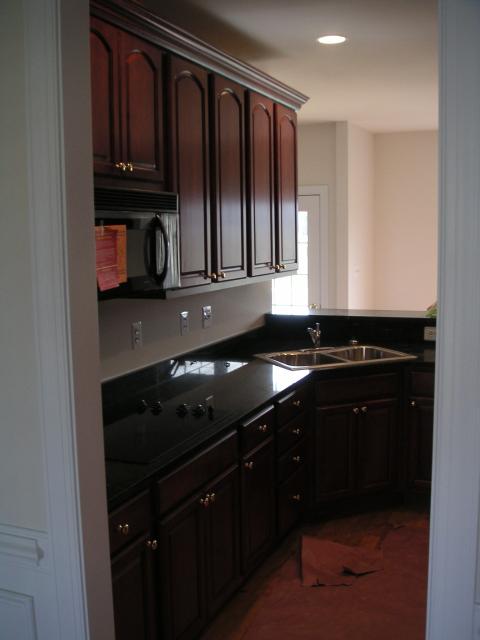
127,108
228,184
105,97
142,109
286,187
260,122
190,171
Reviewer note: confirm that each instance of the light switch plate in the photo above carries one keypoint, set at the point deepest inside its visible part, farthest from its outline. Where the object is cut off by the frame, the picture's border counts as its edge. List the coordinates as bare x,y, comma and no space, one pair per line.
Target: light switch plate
137,335
184,324
207,316
430,334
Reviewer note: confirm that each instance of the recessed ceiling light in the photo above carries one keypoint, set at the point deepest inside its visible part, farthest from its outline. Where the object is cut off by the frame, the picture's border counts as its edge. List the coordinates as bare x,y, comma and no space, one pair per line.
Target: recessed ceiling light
332,39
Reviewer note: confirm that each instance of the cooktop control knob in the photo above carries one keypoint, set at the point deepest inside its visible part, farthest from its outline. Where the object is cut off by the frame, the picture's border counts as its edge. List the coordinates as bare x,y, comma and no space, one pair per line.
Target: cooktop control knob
156,407
142,406
182,410
199,410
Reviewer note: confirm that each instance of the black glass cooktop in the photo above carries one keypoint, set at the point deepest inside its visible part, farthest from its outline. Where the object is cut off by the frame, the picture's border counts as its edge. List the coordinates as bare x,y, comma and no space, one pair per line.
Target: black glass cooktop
140,439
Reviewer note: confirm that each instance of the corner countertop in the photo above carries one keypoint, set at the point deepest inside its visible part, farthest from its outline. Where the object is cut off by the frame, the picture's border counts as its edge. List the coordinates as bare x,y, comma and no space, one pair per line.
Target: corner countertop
355,313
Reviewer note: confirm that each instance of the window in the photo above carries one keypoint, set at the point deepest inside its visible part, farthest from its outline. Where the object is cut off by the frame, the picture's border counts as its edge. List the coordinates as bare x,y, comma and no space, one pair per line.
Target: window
290,293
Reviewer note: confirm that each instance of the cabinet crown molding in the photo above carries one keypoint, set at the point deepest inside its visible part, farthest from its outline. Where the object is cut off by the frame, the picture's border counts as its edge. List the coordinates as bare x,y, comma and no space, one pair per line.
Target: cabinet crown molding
142,22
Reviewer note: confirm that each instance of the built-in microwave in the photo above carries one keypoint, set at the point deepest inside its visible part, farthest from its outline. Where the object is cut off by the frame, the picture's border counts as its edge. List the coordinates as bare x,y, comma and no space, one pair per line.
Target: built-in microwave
149,226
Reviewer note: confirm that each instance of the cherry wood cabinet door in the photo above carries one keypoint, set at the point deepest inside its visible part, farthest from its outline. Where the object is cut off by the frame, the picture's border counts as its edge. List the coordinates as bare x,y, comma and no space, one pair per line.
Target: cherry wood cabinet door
335,452
142,110
258,505
376,429
286,187
223,540
260,121
105,97
133,592
228,169
182,572
421,442
190,175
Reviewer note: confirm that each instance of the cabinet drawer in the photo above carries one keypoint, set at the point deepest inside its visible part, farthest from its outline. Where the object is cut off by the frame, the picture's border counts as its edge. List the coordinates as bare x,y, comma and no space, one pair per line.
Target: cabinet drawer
129,521
257,429
292,460
292,497
192,475
422,383
292,405
352,389
292,433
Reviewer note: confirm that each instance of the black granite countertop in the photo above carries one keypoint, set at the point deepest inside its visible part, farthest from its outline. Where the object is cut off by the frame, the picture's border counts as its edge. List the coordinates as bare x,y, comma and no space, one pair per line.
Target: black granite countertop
238,390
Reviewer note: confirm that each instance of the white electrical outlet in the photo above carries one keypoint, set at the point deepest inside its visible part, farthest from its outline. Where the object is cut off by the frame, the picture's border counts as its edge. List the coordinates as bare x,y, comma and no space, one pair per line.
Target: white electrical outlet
137,335
207,316
430,333
184,323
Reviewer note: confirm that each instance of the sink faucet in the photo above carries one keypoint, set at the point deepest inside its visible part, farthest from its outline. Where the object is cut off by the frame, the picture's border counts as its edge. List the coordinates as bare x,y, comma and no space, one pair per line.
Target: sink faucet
315,334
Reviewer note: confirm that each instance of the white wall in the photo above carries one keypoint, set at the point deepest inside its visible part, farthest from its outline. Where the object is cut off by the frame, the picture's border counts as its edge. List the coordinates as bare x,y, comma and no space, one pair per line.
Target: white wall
23,498
361,220
317,150
382,212
406,220
234,310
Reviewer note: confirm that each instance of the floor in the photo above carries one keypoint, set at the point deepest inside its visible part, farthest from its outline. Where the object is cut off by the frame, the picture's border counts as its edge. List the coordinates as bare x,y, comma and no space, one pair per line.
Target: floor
388,604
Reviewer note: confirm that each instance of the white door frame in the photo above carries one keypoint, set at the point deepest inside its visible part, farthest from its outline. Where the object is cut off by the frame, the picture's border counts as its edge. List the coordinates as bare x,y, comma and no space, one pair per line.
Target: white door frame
456,467
56,584
318,233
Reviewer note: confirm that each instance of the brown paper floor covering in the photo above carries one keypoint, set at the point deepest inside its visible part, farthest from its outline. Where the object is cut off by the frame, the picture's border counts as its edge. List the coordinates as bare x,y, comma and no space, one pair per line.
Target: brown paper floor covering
387,604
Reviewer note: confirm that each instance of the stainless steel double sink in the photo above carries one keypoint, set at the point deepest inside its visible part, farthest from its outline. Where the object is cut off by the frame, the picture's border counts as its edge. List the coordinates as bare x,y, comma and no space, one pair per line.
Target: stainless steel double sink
333,357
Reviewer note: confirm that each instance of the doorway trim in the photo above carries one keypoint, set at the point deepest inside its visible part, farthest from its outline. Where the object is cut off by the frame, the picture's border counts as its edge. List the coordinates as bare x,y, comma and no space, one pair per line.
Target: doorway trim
322,254
453,571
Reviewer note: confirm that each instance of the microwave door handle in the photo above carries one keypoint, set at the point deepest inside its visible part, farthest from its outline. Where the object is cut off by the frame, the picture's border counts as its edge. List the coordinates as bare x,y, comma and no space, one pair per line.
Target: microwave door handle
159,225
150,250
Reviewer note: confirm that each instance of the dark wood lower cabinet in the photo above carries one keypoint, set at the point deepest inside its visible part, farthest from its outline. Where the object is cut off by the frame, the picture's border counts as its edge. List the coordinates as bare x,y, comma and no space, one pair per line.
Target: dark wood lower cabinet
354,449
199,557
420,443
134,591
223,541
258,505
376,424
334,452
216,521
182,571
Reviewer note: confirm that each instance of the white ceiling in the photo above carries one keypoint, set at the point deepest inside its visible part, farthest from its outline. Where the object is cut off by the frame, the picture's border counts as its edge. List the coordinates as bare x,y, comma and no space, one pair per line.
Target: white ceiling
383,79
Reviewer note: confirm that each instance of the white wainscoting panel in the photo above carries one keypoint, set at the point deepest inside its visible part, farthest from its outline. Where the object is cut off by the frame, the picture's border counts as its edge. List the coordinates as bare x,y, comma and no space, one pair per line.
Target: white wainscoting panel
17,616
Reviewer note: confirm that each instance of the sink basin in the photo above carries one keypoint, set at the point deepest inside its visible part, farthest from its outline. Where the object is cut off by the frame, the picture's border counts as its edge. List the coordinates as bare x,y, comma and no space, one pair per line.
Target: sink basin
363,353
304,359
333,358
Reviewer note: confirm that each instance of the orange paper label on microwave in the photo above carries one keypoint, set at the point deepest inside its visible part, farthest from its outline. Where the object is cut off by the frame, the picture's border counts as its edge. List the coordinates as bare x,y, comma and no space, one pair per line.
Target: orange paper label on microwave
111,260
